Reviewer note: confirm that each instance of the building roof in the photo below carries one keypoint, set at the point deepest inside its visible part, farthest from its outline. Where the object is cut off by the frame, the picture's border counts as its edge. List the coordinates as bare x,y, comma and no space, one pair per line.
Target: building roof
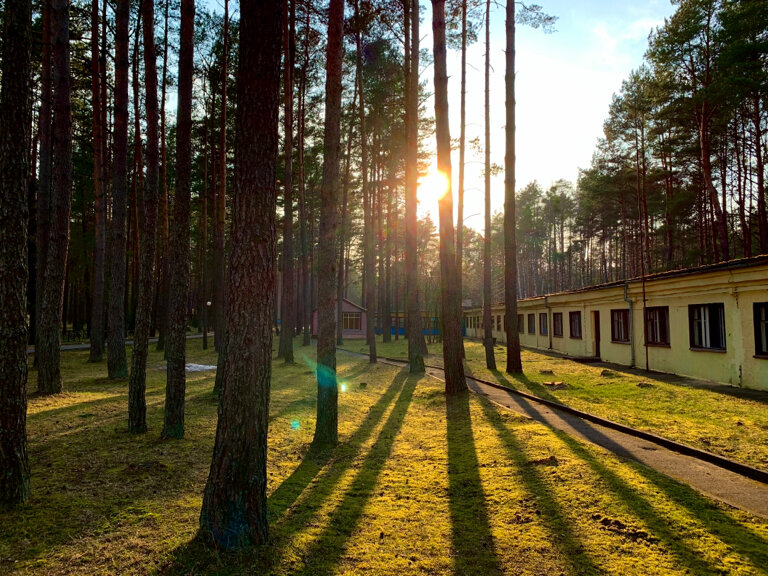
348,302
735,264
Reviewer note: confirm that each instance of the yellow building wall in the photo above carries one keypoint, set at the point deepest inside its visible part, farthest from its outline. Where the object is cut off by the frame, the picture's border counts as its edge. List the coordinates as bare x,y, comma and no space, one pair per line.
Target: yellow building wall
738,289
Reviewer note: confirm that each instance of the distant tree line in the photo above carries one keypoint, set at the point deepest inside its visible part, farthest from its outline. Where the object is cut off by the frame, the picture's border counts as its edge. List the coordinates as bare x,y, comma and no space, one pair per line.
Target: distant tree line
678,180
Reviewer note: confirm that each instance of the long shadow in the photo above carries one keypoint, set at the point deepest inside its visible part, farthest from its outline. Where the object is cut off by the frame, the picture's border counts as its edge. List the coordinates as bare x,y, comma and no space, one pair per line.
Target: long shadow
671,379
535,387
285,518
93,476
470,522
302,403
362,368
743,540
559,527
292,487
327,550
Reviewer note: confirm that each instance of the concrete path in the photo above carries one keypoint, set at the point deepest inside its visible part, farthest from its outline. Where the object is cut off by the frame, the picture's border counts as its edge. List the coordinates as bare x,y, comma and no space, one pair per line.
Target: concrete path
709,479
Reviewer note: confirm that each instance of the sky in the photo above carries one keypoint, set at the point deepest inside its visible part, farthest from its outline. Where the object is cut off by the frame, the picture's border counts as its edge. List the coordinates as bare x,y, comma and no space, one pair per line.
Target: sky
565,82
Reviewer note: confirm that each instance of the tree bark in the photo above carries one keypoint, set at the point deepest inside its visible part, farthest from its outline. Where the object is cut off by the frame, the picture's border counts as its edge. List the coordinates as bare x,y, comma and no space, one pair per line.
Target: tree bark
514,363
96,327
762,214
450,298
303,225
462,151
343,232
15,126
43,224
490,357
116,357
219,258
369,262
326,429
162,295
49,369
287,301
137,384
173,420
417,347
234,511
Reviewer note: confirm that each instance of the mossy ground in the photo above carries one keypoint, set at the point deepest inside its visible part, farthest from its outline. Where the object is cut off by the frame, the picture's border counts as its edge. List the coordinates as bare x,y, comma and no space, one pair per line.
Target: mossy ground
419,484
729,421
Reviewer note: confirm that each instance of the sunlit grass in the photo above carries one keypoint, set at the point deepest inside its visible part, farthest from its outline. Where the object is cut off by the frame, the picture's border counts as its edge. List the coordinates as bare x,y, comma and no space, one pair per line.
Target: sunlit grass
417,485
725,420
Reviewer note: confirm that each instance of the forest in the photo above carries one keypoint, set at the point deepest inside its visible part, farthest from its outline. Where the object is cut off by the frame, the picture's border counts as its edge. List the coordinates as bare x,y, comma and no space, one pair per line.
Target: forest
173,169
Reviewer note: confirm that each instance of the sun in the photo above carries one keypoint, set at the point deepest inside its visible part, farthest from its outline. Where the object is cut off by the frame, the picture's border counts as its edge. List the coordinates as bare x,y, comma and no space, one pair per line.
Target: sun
432,186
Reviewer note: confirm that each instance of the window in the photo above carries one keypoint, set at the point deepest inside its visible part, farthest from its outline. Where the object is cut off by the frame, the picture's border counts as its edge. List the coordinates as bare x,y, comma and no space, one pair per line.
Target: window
531,323
706,323
574,318
557,324
657,326
352,321
520,324
543,323
498,323
761,328
620,325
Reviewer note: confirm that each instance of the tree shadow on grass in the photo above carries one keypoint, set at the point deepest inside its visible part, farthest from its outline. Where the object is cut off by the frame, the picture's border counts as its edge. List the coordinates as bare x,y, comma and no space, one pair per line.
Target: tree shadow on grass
328,548
665,377
470,523
741,539
559,527
308,479
90,477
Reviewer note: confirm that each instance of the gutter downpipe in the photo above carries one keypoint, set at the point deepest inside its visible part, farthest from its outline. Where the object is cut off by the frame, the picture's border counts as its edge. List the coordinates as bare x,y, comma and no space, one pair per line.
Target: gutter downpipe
631,323
549,320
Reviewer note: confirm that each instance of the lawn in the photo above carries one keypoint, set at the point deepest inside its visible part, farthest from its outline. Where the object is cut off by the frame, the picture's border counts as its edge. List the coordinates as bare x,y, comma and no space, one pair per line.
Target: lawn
418,485
729,421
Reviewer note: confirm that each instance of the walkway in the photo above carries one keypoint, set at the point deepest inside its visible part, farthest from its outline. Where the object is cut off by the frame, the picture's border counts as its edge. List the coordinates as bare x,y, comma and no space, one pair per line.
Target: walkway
709,479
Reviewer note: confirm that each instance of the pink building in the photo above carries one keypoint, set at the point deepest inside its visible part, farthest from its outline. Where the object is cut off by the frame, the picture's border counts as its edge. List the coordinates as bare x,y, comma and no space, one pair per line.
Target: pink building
355,320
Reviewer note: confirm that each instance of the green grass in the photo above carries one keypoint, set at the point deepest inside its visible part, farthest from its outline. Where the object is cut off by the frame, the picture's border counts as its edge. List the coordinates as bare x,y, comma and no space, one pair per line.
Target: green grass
725,420
417,485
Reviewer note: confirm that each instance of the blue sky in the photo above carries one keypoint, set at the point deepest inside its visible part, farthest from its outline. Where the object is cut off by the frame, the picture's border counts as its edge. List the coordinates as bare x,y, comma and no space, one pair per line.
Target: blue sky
565,82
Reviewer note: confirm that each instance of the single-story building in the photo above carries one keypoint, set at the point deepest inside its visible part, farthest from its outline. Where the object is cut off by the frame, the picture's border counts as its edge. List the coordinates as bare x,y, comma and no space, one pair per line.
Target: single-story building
354,320
709,322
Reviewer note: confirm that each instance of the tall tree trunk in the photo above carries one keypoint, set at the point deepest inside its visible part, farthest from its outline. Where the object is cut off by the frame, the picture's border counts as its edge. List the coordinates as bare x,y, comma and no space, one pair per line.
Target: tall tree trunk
173,420
490,357
303,225
162,295
369,261
219,258
15,126
762,214
204,232
96,327
49,369
720,220
116,358
43,224
287,301
234,511
417,347
137,406
390,225
462,150
514,363
326,428
343,231
449,296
